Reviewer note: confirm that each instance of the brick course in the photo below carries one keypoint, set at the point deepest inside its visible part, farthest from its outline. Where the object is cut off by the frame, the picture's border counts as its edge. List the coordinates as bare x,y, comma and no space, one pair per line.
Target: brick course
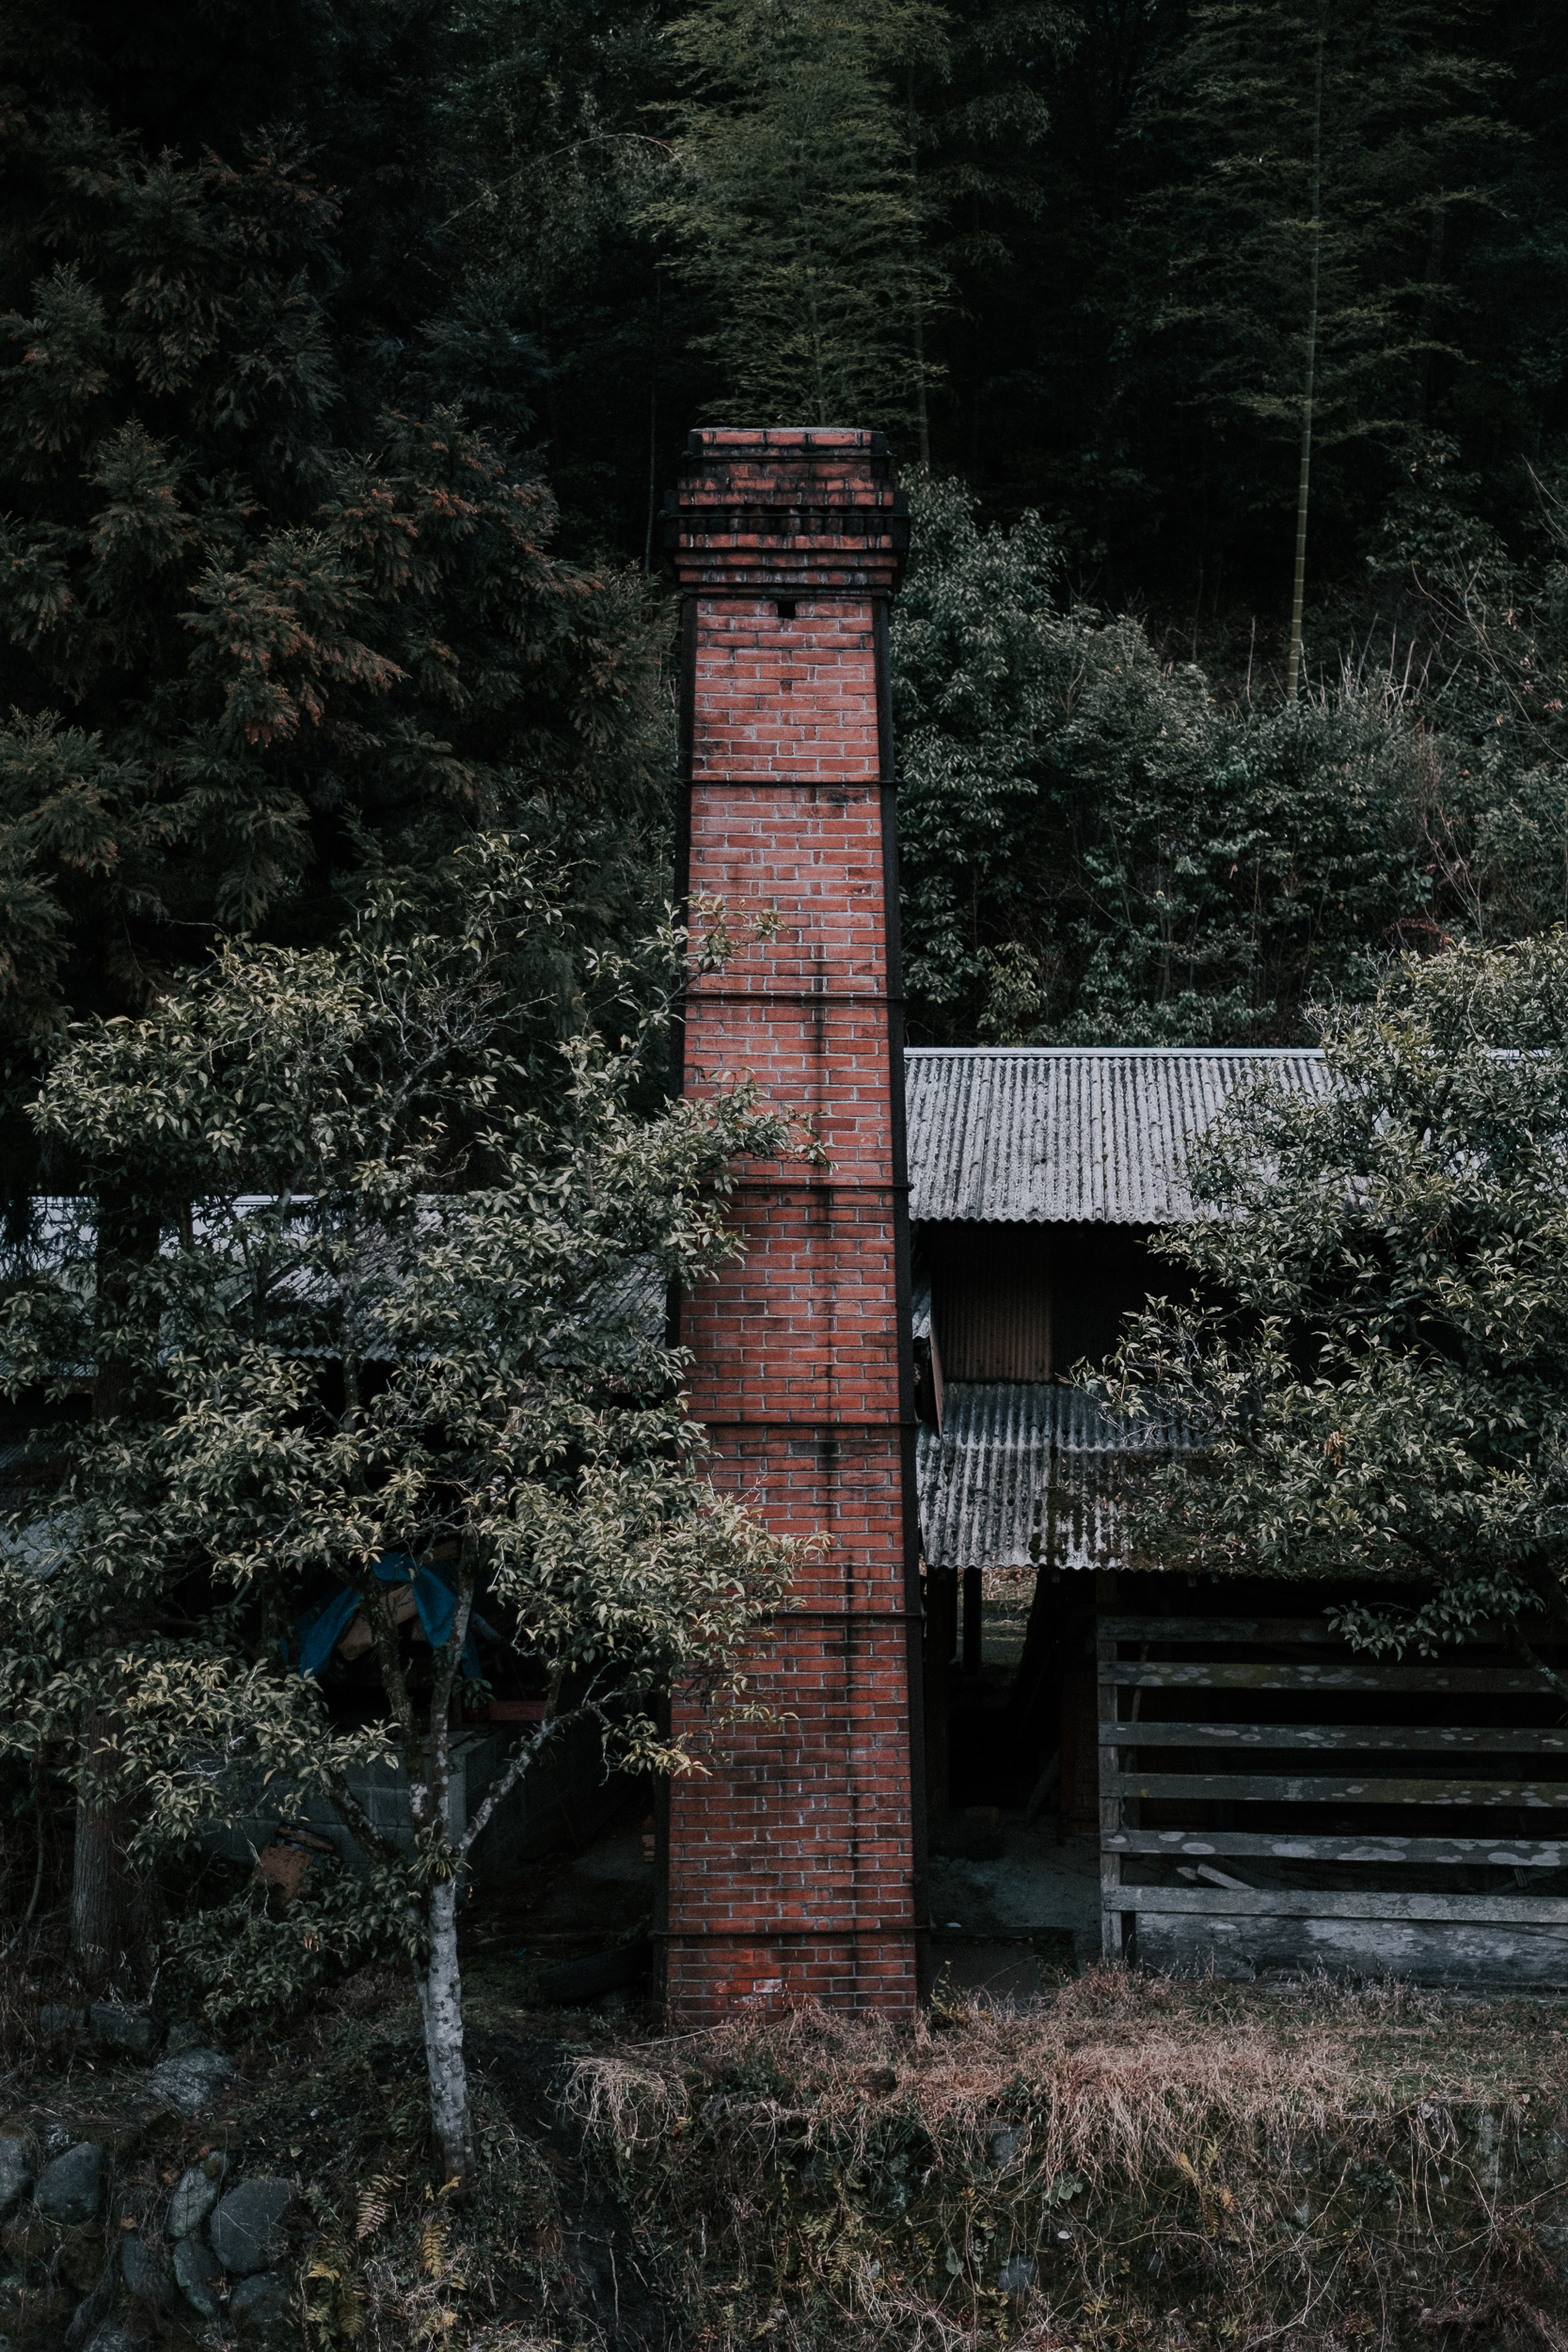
794,1869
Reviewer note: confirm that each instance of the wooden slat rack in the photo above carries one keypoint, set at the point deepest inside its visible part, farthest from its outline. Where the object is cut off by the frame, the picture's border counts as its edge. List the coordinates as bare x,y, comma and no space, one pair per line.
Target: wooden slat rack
1230,1828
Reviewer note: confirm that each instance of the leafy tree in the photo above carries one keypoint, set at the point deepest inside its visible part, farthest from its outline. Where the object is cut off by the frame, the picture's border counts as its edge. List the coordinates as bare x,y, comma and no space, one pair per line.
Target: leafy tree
794,203
391,1310
1493,806
1093,849
1382,1396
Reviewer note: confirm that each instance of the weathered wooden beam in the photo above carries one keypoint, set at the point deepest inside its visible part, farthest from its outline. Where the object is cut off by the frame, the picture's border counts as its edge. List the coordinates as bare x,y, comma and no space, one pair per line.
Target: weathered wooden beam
1443,1952
1263,1631
1502,1853
1109,1804
1181,1630
1484,1738
1271,1788
1169,1674
1317,1902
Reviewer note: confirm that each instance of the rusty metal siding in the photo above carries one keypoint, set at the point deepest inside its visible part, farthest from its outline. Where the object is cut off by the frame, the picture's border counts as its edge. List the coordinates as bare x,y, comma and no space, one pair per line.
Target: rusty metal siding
1097,1133
1024,1473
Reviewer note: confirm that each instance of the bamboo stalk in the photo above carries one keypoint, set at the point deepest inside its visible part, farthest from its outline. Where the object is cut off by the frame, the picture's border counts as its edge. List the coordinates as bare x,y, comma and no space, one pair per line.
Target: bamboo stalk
1298,591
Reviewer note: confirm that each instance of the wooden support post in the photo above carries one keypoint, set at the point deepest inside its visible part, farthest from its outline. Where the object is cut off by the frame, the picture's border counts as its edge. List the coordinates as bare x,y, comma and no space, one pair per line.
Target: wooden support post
972,1620
1112,1943
938,1655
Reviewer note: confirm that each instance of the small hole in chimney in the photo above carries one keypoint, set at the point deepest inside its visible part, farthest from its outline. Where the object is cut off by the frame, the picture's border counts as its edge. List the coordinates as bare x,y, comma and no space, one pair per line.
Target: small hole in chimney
786,608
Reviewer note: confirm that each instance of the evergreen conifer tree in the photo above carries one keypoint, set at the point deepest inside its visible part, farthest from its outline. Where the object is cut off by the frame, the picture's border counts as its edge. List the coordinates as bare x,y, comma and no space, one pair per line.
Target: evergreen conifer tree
1320,149
976,120
272,601
792,201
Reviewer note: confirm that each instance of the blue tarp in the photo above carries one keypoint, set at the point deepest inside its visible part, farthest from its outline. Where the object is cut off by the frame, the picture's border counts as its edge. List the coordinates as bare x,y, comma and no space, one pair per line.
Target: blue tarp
321,1631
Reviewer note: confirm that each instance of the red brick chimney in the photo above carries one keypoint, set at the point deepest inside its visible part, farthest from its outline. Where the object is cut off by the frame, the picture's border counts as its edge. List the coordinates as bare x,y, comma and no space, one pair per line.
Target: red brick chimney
796,1869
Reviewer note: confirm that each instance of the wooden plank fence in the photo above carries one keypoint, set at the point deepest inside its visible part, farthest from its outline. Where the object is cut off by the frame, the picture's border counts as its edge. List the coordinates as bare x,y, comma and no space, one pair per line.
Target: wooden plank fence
1182,1897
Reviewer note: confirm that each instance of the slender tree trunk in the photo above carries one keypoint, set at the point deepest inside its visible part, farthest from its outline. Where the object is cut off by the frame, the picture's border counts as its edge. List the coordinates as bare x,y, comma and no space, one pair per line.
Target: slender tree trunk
441,1985
653,435
97,1880
923,422
818,374
101,1925
1298,591
441,2000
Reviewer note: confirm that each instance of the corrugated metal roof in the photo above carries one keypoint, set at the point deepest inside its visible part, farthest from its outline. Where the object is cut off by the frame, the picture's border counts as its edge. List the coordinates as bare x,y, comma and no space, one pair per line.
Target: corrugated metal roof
1031,1135
1023,1473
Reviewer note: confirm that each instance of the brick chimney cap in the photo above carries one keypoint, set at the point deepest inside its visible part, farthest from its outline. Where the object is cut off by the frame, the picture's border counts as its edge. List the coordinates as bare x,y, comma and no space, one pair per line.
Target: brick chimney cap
781,439
786,511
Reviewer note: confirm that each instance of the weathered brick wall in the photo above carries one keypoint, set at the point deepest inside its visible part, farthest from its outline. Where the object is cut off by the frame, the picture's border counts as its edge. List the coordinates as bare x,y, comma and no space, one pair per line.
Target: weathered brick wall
793,1870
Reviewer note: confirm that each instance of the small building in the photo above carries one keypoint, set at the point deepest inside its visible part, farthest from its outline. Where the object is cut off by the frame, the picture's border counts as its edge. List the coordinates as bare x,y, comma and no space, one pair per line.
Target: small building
891,1368
887,1367
1039,1179
1178,1720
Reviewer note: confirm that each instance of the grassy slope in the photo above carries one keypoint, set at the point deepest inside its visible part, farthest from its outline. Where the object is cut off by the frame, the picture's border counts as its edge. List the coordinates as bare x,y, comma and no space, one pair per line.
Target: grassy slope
1144,2163
1159,2168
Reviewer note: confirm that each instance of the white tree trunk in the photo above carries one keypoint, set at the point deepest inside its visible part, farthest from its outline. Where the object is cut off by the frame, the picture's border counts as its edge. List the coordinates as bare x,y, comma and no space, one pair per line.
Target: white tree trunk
441,2000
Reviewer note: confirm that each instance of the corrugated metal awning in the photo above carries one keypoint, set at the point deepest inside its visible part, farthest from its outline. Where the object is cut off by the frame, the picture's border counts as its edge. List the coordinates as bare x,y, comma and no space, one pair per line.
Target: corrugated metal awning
1027,1134
1024,1474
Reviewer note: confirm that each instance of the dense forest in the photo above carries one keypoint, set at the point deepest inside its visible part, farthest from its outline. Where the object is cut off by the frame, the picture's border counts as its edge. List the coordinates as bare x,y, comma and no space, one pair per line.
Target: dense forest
346,352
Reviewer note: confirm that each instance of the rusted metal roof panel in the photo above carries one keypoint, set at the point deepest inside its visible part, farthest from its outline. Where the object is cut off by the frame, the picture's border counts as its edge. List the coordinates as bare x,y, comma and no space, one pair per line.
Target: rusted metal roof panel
1027,1134
1024,1474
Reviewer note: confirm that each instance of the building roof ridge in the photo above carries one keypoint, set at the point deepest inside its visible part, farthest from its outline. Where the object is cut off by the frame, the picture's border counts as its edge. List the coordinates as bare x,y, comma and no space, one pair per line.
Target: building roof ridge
1140,1052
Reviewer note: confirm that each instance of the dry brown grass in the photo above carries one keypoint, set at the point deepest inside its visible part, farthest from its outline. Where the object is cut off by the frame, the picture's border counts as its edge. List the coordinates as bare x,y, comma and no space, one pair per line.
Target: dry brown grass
1170,2165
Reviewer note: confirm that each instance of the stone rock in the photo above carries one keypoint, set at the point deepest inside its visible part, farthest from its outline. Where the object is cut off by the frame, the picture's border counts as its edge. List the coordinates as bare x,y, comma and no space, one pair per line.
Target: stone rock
260,2307
71,2189
195,2192
59,2018
126,2029
16,2171
145,2274
1004,2148
246,2229
112,2337
191,2081
1016,2274
183,2035
199,2273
